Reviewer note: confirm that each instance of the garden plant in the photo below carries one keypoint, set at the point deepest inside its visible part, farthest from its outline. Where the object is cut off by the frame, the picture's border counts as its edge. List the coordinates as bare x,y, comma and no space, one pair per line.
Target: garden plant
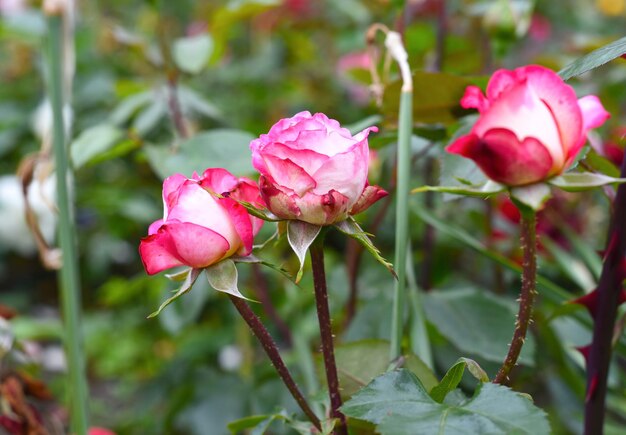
316,217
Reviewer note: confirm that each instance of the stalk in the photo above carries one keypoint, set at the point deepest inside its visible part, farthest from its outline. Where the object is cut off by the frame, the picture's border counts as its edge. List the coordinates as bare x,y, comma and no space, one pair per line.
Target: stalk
272,352
609,292
69,278
326,333
527,295
402,219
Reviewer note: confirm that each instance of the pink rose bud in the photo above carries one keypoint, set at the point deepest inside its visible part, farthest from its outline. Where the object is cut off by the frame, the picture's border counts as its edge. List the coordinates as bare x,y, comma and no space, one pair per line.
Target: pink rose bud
99,431
202,223
313,170
531,125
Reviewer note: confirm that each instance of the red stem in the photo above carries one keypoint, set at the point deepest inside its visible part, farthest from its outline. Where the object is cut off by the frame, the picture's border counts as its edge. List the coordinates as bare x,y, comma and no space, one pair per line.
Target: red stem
326,334
608,293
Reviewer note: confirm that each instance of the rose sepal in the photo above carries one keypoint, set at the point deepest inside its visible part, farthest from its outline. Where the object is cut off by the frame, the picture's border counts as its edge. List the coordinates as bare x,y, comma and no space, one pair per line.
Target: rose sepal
581,181
301,236
531,198
261,213
483,190
222,276
189,280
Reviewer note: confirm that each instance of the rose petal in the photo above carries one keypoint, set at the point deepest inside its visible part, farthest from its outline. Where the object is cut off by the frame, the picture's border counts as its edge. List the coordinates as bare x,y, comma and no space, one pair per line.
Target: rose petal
345,172
594,114
560,99
279,202
218,180
504,159
170,191
196,205
154,227
309,160
196,246
370,195
158,253
323,209
243,225
524,114
284,172
474,99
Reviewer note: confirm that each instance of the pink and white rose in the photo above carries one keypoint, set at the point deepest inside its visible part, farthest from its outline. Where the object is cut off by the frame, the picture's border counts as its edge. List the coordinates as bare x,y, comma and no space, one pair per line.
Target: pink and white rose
313,170
531,125
202,223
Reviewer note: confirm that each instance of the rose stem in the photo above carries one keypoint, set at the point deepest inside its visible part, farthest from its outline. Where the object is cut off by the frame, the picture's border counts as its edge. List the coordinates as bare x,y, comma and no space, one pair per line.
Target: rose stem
608,293
272,352
527,295
69,281
326,333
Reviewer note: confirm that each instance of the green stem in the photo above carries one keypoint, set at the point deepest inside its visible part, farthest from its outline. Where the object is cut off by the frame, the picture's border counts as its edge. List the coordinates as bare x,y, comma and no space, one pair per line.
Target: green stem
272,352
402,220
527,295
69,277
326,333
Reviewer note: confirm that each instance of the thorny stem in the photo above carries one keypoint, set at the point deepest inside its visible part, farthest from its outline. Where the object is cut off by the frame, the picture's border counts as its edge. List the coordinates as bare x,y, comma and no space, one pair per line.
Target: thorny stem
272,352
608,293
527,295
326,334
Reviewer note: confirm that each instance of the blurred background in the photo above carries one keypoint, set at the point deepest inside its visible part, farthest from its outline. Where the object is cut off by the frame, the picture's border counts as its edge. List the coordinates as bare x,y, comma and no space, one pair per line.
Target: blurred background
160,87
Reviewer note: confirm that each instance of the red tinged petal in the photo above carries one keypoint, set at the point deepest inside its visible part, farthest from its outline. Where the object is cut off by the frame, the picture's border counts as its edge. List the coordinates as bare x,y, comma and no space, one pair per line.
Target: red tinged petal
503,158
243,224
182,243
278,202
474,99
560,99
323,209
287,173
370,195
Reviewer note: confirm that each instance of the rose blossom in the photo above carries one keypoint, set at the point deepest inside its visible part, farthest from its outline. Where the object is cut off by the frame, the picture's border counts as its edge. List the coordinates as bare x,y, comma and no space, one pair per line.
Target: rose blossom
313,170
531,125
199,228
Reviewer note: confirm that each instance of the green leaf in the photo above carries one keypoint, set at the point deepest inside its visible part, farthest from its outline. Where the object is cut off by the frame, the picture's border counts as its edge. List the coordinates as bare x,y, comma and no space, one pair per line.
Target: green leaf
532,196
191,101
571,266
482,191
300,236
579,181
449,382
399,404
359,362
350,228
94,141
601,164
476,322
219,148
149,117
129,105
453,377
192,276
223,277
192,53
594,59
